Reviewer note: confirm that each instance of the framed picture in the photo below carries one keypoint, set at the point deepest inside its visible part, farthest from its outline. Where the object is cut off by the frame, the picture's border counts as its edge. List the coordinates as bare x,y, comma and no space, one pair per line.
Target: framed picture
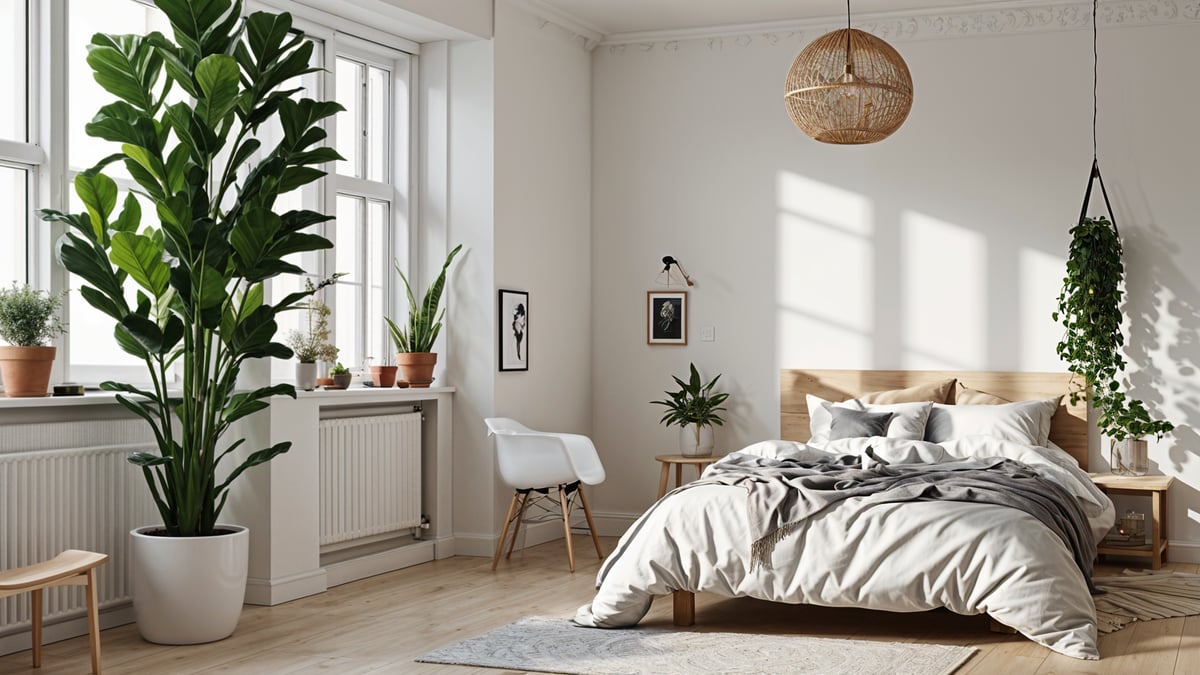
514,330
666,318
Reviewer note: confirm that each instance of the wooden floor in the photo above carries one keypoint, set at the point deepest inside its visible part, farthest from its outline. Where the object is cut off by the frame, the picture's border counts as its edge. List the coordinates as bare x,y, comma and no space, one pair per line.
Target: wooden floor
379,625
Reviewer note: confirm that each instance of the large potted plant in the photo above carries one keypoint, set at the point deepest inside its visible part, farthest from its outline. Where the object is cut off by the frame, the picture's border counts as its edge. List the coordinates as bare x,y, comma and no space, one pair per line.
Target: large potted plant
198,308
695,408
1089,307
28,321
414,342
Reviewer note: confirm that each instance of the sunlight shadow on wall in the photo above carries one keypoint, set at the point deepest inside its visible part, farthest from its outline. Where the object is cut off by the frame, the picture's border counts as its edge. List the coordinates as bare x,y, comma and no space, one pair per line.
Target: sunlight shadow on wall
1038,273
825,283
944,292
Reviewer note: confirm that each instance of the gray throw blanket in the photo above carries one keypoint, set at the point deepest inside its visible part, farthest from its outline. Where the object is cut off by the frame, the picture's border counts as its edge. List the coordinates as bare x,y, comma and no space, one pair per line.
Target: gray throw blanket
783,492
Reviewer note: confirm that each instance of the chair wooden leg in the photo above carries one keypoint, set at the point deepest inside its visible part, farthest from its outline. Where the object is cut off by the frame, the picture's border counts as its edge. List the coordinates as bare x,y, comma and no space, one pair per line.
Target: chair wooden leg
504,531
93,613
512,543
587,512
35,601
566,514
684,606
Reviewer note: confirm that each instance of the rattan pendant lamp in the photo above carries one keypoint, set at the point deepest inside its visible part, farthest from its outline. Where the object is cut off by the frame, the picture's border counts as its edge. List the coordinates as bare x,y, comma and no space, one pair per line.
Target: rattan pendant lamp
848,87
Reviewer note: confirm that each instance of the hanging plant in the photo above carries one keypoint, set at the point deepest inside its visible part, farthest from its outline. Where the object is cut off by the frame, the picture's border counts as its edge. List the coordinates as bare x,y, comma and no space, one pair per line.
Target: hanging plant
1089,307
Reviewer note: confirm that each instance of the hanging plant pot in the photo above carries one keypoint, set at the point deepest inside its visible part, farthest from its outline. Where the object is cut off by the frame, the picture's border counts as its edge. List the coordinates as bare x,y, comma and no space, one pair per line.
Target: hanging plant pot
26,370
417,367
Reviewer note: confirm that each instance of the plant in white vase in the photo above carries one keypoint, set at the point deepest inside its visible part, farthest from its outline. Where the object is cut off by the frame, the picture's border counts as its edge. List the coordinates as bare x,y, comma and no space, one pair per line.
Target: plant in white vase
312,343
695,409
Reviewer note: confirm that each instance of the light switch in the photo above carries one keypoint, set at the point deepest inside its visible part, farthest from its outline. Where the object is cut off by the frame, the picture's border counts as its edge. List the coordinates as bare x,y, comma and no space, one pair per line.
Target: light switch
708,334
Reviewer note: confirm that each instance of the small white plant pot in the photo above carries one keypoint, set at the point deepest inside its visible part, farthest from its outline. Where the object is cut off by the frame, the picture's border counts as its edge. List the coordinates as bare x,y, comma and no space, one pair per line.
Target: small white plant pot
188,590
306,376
688,447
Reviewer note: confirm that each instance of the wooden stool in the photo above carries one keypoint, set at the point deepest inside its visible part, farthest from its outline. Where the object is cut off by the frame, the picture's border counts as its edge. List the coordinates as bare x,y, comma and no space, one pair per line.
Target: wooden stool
69,568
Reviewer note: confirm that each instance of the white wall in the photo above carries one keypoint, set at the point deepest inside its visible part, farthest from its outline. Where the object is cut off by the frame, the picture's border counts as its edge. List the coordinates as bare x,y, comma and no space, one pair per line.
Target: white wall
941,247
519,181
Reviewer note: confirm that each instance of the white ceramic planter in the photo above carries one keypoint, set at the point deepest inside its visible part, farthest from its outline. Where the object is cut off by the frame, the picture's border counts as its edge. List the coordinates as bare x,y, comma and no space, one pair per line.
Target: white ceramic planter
306,376
687,441
188,590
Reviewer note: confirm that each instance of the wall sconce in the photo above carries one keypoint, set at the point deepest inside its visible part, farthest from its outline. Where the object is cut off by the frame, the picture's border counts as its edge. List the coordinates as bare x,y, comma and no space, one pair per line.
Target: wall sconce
672,274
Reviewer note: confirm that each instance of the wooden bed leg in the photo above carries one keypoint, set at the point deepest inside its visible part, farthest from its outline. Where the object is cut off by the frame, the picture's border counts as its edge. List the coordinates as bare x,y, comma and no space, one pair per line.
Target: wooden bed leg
685,608
997,627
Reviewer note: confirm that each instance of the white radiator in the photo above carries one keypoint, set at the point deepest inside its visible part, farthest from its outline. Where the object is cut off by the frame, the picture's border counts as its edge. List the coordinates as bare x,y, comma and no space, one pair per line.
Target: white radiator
370,476
52,500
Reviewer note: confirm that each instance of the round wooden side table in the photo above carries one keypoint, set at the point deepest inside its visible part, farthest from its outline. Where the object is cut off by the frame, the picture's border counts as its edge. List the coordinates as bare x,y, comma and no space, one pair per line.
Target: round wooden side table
678,461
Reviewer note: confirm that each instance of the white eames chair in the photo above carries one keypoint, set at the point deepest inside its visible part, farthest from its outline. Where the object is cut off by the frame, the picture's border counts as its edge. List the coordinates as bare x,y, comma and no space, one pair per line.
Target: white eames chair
536,462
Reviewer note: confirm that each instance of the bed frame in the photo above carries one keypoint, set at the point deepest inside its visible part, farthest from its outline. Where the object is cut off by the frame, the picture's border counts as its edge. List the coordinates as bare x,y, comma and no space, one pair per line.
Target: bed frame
1068,428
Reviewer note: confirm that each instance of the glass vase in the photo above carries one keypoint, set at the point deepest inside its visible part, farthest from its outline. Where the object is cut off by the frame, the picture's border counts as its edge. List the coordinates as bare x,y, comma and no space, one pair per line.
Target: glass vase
1129,457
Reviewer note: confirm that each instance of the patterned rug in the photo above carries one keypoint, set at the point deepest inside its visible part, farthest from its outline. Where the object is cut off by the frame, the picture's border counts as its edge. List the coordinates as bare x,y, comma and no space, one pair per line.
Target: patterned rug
558,646
1141,595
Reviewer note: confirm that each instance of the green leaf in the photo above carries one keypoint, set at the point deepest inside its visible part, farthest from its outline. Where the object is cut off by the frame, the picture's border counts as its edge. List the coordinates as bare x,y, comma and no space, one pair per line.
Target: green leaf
99,194
116,66
142,258
145,459
217,76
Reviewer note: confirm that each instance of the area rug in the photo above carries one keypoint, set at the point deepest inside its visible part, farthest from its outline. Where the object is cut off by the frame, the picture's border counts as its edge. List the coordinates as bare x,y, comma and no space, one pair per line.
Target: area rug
1139,595
558,646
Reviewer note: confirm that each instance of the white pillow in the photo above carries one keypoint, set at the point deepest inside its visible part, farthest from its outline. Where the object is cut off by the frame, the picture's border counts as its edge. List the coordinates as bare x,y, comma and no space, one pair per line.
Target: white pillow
1021,422
909,422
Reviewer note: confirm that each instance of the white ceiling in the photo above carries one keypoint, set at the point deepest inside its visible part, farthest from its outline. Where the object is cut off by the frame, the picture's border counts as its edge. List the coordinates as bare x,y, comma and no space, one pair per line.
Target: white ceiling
611,17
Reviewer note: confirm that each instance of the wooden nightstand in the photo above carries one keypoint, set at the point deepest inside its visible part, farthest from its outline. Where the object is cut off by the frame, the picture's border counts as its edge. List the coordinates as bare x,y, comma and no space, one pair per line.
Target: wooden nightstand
1154,487
679,461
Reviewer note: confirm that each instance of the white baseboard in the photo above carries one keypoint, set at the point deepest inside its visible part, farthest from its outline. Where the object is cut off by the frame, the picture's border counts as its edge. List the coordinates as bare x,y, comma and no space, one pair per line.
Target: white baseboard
67,628
378,563
1183,551
608,524
285,589
478,545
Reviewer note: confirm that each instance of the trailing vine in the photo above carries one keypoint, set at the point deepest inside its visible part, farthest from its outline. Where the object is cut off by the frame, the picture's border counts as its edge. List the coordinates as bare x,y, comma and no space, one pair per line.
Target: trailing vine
1089,308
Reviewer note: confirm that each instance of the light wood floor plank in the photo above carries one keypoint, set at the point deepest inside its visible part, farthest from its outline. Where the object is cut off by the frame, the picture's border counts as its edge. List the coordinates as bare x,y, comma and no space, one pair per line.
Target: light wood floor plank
380,625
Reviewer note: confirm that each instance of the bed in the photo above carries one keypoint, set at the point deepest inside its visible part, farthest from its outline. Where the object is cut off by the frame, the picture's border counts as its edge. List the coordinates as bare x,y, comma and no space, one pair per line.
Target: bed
970,556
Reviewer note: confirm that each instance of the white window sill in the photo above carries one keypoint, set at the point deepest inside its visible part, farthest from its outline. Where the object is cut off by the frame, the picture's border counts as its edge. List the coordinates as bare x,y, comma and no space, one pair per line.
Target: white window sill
355,394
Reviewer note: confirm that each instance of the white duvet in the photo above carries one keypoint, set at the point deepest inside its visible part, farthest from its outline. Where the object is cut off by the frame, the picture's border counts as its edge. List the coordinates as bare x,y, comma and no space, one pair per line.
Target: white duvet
900,557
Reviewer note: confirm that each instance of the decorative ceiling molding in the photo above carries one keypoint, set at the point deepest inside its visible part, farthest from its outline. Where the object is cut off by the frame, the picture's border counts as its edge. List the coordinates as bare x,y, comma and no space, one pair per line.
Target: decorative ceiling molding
572,28
1018,17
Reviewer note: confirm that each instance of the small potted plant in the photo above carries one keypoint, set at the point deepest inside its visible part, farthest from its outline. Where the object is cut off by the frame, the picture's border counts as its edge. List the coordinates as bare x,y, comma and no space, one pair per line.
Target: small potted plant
414,342
341,376
312,343
695,409
28,320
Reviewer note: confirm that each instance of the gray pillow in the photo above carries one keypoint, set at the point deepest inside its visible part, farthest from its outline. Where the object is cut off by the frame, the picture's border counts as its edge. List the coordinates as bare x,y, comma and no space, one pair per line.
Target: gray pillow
850,423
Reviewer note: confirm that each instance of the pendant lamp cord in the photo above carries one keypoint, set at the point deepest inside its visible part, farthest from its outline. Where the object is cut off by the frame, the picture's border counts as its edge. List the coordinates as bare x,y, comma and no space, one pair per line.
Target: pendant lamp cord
1095,177
848,32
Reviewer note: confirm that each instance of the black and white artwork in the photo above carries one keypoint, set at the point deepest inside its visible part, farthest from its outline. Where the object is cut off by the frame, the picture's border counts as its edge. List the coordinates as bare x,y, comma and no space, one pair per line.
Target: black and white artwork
666,318
514,330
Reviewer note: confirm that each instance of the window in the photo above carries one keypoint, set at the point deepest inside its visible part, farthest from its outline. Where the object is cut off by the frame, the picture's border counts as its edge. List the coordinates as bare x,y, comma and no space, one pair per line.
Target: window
370,188
93,359
49,95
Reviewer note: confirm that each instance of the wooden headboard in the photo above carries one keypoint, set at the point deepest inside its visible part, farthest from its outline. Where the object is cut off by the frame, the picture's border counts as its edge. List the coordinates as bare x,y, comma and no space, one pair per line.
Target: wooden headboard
1068,429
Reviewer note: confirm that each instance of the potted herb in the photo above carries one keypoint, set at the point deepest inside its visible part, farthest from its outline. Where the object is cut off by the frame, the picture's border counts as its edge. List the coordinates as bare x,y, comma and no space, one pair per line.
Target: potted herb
1089,307
341,376
28,321
694,407
414,342
312,343
199,266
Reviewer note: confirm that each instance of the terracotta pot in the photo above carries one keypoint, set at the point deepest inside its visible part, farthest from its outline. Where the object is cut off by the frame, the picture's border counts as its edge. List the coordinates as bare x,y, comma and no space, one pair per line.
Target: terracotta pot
383,376
26,370
417,367
324,381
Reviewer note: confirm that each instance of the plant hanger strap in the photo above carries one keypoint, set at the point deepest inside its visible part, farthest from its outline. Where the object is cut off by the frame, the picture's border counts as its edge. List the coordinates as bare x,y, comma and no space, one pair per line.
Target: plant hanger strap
1095,175
1087,195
